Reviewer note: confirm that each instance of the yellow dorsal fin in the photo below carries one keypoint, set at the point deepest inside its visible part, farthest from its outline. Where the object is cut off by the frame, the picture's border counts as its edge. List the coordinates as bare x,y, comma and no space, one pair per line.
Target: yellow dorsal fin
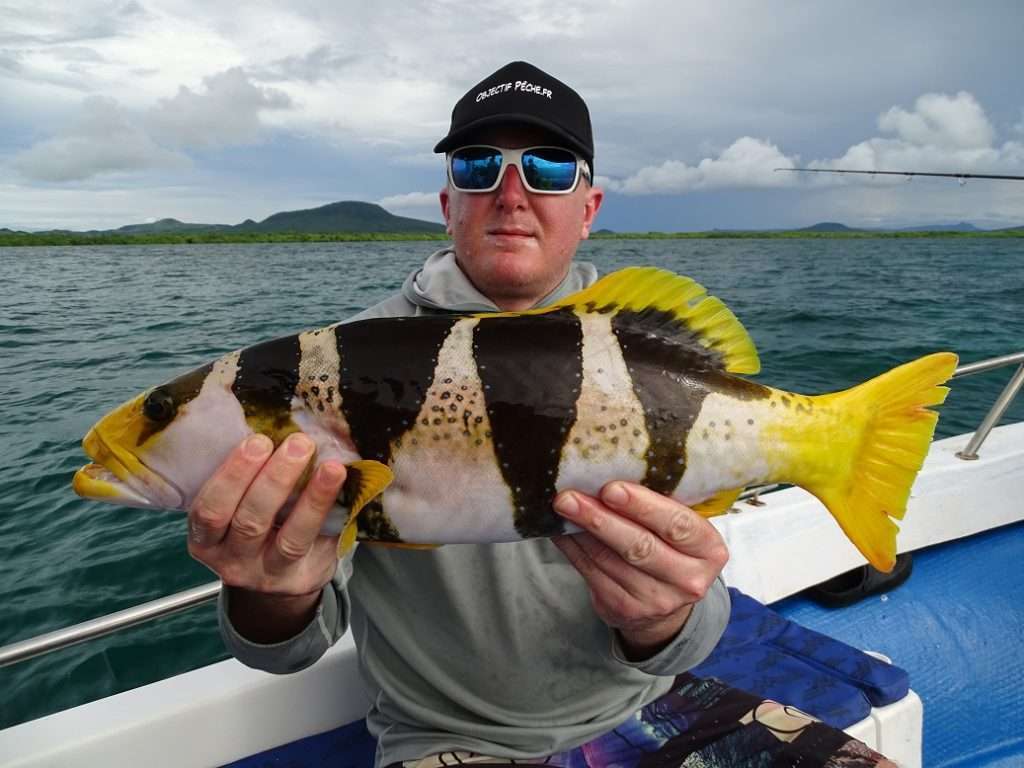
662,303
718,504
365,480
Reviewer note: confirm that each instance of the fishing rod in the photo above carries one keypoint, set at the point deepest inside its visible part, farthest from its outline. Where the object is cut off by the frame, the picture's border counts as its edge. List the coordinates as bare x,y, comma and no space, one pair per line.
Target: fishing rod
961,177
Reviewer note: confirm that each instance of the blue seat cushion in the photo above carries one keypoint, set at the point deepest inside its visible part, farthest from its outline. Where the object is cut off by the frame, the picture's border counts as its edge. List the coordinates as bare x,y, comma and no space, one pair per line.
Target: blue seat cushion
771,656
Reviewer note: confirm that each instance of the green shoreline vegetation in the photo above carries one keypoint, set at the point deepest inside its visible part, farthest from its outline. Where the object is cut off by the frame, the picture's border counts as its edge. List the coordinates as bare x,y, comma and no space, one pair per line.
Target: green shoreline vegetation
12,239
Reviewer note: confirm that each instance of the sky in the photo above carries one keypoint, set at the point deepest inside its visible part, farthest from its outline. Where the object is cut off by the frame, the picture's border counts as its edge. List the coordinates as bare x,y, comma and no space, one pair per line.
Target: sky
126,111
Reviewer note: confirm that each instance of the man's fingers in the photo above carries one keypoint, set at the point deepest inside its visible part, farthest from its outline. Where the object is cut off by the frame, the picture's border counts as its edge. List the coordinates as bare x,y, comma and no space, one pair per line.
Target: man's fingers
300,531
597,579
266,495
676,524
215,505
639,584
635,545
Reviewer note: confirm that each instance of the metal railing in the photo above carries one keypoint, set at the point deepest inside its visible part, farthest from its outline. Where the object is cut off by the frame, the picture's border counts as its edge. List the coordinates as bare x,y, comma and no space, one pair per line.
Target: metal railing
105,625
1002,403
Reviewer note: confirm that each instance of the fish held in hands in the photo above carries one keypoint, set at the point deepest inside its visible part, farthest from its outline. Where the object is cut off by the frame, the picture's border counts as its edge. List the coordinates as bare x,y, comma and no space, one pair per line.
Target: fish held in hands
463,428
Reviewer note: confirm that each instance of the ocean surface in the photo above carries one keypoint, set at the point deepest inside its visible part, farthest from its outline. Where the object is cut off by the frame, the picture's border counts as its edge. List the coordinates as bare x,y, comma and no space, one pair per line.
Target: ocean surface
84,328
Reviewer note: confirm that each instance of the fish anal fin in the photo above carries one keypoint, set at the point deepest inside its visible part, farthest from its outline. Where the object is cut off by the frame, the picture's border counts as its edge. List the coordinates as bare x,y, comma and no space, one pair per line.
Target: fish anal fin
718,504
659,303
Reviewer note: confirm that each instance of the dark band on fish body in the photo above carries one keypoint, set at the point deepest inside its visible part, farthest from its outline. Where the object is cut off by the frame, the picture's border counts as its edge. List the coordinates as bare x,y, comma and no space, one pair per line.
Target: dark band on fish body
666,375
164,401
737,387
387,366
265,383
531,368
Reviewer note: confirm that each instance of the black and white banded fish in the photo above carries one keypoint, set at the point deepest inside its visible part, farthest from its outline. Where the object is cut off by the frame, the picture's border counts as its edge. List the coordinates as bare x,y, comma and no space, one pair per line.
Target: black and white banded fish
462,428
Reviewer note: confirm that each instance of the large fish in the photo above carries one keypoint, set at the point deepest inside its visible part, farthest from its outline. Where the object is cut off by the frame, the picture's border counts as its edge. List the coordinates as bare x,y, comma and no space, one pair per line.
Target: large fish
462,428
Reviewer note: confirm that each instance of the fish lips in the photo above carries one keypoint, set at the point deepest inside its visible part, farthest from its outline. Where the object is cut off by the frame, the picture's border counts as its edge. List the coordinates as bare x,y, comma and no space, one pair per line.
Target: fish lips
121,477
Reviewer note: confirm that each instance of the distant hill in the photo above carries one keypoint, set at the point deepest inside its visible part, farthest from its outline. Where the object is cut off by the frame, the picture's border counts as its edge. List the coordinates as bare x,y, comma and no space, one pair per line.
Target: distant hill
827,226
167,225
834,226
350,216
963,226
344,216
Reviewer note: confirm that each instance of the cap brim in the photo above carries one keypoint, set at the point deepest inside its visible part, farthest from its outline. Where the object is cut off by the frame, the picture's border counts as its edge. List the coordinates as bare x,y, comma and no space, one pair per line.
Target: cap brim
457,138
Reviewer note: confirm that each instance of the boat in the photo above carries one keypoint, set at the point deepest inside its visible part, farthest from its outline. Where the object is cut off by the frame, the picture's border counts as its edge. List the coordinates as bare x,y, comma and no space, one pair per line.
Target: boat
964,662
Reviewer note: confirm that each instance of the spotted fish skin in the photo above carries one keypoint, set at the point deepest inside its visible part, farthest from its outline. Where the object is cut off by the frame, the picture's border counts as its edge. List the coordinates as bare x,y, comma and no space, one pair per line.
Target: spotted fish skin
476,422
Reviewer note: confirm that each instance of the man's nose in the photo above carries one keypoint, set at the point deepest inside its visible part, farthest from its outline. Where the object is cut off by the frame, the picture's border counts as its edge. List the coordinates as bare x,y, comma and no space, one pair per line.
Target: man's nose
511,191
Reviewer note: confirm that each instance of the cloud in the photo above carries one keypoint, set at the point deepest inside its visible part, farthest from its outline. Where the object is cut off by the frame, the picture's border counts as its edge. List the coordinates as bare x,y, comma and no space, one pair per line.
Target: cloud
103,139
321,63
747,162
410,200
952,122
106,137
366,87
34,23
942,133
225,112
22,67
417,204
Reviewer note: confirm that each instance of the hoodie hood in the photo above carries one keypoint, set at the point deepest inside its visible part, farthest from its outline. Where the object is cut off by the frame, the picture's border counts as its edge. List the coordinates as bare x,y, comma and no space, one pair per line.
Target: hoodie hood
440,284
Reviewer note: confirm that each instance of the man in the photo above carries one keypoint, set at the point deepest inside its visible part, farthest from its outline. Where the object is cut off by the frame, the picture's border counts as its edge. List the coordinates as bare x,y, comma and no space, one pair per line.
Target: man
514,651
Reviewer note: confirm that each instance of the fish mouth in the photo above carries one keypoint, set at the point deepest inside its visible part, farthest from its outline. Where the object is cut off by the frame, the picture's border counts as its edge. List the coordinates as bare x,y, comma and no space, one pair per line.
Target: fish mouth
119,476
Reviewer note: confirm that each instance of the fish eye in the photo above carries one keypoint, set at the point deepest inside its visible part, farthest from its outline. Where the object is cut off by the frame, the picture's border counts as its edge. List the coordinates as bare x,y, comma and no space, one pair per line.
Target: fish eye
159,406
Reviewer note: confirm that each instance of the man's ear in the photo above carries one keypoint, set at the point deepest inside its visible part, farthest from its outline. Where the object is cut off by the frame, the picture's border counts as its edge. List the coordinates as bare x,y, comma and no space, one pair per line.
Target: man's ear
445,202
595,196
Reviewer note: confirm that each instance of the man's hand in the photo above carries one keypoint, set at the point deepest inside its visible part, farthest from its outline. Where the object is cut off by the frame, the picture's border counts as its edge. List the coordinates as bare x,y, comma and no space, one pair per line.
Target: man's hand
276,574
645,557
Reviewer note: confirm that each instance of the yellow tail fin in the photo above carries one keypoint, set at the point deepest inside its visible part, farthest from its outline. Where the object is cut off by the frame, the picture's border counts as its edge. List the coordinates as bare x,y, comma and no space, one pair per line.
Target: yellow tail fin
897,428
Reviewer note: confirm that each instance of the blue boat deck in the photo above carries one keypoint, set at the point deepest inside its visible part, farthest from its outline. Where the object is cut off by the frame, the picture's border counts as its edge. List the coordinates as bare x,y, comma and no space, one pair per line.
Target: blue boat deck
956,626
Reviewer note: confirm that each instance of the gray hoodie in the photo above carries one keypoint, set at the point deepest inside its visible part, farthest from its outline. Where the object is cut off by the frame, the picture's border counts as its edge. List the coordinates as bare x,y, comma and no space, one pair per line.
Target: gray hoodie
493,649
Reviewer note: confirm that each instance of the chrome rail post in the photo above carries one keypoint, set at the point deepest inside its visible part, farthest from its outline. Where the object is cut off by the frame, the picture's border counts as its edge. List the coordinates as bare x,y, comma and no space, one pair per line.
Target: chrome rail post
104,625
1013,386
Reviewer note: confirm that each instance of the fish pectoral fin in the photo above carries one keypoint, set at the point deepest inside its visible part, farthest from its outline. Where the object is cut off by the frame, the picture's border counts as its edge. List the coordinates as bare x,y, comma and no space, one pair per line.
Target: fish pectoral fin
659,303
365,480
348,537
718,504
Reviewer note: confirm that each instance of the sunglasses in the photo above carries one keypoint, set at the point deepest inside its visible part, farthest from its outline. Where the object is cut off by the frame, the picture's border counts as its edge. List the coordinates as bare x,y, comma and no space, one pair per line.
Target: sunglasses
544,170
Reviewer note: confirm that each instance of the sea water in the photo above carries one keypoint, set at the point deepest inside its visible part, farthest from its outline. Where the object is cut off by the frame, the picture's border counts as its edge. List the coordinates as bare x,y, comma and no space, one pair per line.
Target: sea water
84,328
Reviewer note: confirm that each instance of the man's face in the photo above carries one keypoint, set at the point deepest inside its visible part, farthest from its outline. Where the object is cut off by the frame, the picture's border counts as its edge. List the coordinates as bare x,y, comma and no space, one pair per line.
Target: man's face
513,245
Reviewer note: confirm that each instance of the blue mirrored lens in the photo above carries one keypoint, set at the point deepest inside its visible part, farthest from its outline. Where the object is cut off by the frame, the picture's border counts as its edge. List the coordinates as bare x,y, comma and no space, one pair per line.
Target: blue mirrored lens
549,169
475,167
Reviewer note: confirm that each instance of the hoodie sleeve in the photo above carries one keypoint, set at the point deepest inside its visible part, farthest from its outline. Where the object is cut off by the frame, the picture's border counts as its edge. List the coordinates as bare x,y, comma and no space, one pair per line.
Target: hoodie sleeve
698,637
328,624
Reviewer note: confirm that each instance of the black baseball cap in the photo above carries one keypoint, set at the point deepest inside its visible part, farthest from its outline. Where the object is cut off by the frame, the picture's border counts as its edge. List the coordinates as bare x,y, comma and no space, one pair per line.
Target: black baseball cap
521,93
